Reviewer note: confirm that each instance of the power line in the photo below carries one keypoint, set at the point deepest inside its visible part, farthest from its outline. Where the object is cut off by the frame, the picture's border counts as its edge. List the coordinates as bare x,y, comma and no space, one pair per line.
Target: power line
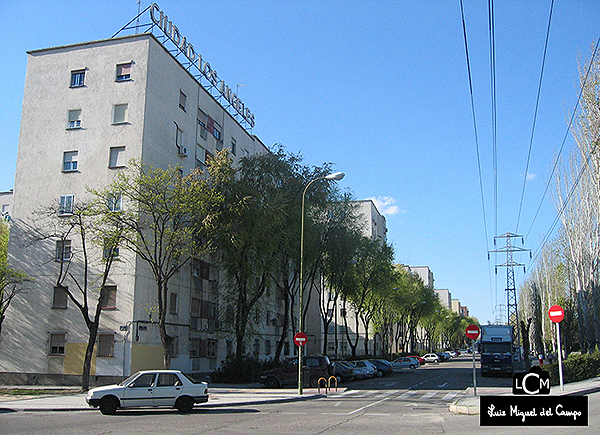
557,160
583,168
537,103
476,138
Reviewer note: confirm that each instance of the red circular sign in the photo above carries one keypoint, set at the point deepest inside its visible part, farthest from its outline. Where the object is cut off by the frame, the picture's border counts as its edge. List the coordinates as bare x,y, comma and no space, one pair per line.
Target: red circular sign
300,339
473,332
556,313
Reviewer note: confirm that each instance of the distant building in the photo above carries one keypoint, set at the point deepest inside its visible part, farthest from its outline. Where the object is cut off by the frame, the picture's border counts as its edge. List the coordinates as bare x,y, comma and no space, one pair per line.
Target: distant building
6,199
372,221
424,273
445,298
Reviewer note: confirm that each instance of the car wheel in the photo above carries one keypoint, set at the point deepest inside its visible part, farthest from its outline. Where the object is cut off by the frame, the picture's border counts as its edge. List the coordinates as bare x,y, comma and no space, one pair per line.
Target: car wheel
379,373
184,404
108,405
271,383
412,367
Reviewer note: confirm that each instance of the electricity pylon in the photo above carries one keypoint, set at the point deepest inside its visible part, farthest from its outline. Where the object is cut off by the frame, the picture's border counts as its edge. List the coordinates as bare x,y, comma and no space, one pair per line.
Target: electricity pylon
511,292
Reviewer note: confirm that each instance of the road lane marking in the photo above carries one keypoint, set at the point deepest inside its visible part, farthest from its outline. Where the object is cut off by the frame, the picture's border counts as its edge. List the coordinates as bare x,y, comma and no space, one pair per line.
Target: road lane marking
449,396
407,394
429,395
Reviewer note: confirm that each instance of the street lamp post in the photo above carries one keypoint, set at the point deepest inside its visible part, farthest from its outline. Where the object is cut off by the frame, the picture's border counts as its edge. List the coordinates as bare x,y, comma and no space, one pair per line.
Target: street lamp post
335,176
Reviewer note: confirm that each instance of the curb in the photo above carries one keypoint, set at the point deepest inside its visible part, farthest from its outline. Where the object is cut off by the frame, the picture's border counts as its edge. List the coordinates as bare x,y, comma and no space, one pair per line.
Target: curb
6,410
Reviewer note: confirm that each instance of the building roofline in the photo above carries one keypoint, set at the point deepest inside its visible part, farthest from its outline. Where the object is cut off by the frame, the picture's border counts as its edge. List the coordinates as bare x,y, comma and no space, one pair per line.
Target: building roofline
147,35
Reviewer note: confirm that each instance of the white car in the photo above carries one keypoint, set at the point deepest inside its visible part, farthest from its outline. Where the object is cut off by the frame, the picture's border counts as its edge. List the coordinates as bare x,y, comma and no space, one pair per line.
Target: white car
405,362
150,388
431,357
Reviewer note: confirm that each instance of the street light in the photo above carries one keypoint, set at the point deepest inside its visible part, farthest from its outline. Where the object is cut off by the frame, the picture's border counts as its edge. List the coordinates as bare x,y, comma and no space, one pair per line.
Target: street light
335,176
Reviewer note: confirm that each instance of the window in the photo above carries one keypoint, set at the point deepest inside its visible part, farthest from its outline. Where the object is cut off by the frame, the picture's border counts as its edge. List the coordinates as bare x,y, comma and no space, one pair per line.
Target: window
65,206
124,72
195,314
200,269
111,250
106,345
173,303
267,347
144,381
233,146
211,348
182,99
57,344
70,161
63,250
117,157
59,301
194,348
113,201
168,380
108,297
178,137
202,125
119,114
74,119
77,78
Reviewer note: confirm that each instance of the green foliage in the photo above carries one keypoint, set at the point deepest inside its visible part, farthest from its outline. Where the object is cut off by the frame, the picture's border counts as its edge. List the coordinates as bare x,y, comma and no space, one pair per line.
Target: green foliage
241,370
577,367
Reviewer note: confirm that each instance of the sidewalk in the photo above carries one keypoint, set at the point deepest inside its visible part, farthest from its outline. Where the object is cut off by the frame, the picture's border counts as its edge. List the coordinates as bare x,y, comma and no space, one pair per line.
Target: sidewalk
219,396
470,403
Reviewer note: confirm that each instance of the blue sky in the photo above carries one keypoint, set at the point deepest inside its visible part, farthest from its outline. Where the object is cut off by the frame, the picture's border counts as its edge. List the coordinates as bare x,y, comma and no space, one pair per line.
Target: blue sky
380,89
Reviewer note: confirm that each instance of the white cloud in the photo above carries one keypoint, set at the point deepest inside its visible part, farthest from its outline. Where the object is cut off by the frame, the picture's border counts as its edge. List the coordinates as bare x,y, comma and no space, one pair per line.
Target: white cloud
387,205
531,176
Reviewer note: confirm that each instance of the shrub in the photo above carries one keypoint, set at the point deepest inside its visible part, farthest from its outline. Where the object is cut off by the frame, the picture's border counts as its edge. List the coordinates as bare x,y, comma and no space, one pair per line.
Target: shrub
575,368
245,370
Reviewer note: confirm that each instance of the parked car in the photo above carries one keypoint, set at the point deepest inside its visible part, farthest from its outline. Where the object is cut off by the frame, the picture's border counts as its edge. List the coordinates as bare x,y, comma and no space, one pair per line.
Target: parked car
344,371
383,367
432,358
316,367
150,388
418,358
405,362
364,369
444,356
453,353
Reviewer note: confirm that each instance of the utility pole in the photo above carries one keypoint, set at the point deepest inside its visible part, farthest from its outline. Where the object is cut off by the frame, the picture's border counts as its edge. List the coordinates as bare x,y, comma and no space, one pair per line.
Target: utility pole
511,292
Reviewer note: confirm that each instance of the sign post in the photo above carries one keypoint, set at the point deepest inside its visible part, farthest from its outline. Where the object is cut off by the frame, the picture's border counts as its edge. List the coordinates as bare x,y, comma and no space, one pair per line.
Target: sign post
473,332
557,314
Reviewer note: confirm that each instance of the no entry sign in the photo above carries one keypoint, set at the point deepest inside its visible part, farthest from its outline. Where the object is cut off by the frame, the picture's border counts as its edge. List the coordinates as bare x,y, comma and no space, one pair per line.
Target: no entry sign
300,339
473,332
556,313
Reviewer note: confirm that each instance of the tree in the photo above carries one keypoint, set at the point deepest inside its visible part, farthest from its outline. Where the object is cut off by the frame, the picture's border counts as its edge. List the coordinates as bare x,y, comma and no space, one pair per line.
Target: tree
11,280
161,214
372,274
86,251
249,231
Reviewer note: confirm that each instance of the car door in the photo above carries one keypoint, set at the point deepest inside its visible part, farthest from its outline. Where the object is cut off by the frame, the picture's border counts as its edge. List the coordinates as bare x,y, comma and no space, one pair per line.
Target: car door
140,392
168,388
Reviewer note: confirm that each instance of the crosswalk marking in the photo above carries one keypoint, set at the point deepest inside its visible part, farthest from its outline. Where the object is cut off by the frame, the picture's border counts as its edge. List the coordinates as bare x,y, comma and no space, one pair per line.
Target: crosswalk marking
449,396
429,395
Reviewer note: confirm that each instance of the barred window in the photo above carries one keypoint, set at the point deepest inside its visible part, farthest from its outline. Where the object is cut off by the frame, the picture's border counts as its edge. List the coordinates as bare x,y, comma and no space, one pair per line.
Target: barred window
106,345
57,344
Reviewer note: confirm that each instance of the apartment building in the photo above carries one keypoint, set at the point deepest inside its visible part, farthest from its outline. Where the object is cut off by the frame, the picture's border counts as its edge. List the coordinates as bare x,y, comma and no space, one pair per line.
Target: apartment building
88,109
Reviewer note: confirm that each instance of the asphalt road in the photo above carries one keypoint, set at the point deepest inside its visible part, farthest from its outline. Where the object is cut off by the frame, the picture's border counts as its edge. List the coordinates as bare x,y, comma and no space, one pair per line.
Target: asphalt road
413,402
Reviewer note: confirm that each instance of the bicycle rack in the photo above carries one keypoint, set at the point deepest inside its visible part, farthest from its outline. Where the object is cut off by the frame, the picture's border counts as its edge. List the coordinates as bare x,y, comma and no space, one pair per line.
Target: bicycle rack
327,384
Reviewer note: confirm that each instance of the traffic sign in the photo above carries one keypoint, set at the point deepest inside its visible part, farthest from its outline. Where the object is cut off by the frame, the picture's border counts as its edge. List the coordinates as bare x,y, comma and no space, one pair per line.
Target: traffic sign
300,339
556,313
473,332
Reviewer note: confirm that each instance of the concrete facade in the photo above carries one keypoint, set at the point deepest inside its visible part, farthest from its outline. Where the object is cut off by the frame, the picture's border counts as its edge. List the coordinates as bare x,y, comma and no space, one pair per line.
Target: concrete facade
88,109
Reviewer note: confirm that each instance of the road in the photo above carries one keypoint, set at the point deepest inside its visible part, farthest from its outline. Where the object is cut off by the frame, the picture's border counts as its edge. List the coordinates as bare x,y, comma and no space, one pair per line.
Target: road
409,402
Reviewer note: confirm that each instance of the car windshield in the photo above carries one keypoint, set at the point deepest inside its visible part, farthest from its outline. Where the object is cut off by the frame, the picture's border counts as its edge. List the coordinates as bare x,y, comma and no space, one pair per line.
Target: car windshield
126,381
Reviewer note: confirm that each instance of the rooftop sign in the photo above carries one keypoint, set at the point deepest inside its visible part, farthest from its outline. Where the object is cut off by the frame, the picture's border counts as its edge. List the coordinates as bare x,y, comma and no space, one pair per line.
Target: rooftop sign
160,19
